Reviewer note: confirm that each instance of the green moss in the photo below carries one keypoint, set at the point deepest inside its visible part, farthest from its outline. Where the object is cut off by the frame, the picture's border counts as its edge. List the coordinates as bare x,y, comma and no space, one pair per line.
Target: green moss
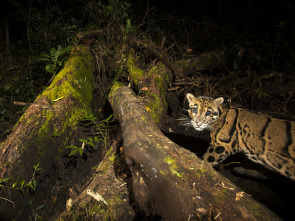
75,79
116,86
202,170
185,64
109,212
157,103
143,118
220,195
172,166
136,73
74,83
163,172
256,211
158,146
155,107
112,158
113,204
255,206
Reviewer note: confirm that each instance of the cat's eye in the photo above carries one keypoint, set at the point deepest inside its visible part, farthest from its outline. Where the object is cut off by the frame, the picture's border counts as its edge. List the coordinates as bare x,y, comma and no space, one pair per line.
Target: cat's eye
208,113
194,109
215,113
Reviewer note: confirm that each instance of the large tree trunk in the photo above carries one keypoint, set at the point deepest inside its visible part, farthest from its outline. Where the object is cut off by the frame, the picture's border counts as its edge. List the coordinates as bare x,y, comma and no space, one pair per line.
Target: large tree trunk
41,136
171,182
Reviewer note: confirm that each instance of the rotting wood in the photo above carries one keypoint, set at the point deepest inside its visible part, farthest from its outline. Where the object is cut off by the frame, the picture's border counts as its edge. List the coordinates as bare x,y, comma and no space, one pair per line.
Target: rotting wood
170,181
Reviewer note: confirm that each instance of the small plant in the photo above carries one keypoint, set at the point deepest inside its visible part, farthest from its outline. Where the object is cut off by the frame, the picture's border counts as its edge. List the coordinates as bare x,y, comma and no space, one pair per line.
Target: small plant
35,212
102,128
76,149
3,181
29,186
90,141
260,93
54,59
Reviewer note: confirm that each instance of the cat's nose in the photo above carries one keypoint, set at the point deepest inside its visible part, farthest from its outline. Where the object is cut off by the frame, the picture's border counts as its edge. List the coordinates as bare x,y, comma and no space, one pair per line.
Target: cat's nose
199,123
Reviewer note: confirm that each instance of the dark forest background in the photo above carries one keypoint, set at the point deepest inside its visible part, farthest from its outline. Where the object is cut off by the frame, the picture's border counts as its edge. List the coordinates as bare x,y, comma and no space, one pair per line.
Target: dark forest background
257,37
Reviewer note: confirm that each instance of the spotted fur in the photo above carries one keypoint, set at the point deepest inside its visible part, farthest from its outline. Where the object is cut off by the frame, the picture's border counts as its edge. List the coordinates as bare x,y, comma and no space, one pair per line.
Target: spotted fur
264,138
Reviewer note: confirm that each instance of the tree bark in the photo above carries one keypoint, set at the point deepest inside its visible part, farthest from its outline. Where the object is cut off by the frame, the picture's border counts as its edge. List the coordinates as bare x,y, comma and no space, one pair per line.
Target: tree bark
41,136
171,182
112,202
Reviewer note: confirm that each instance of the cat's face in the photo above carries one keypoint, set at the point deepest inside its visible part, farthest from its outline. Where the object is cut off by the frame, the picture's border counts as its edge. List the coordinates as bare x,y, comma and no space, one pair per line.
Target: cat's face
203,111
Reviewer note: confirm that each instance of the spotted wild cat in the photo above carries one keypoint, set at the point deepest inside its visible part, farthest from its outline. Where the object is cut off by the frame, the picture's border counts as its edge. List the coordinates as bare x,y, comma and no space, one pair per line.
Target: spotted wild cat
264,138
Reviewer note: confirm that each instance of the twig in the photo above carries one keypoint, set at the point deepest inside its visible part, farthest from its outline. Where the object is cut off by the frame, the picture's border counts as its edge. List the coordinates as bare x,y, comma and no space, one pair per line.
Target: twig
8,201
19,103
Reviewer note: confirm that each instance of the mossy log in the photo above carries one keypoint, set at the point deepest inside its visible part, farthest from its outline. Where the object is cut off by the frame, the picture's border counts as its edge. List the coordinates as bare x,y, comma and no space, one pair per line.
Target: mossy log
152,86
171,182
41,136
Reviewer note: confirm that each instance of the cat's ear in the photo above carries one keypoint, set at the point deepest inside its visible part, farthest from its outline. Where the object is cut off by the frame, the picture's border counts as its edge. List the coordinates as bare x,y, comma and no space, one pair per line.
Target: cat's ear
190,97
219,100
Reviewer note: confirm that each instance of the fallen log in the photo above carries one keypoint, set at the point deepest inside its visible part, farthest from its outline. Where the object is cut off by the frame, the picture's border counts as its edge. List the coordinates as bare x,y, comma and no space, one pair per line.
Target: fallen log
171,182
40,138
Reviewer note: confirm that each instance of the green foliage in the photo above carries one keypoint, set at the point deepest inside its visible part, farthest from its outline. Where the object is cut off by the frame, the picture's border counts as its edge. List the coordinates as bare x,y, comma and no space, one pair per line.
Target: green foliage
114,12
35,212
90,141
3,181
54,59
42,25
76,149
29,186
260,93
102,127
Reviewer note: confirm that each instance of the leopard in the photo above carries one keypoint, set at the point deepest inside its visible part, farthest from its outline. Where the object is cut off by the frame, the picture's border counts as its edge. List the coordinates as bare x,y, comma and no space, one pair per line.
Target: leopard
265,138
